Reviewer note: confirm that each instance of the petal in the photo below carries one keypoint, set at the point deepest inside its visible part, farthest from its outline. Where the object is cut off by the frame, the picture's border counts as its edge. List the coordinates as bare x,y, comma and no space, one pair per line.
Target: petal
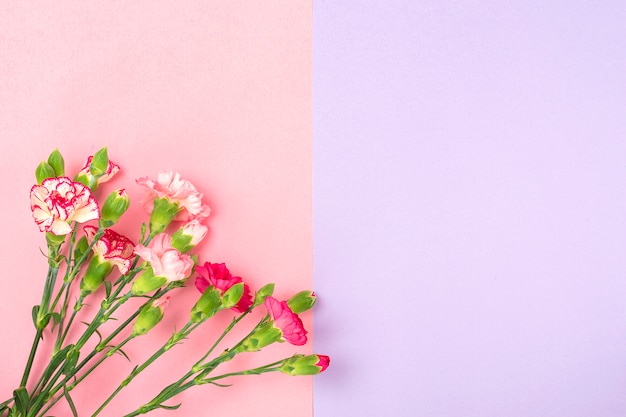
60,228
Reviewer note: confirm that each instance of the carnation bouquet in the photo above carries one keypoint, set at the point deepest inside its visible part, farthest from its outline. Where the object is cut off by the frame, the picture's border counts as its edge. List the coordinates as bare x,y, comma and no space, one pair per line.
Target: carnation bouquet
129,284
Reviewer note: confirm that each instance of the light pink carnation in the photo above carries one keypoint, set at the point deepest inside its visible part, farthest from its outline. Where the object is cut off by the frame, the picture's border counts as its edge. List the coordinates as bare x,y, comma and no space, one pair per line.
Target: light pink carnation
196,230
165,260
162,302
59,201
287,321
171,186
112,247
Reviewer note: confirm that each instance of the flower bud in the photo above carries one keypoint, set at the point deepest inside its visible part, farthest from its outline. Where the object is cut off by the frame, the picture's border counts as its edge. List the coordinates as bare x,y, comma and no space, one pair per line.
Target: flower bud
265,291
150,316
97,170
114,207
96,272
209,303
147,282
188,236
57,163
162,215
305,365
44,171
302,301
263,336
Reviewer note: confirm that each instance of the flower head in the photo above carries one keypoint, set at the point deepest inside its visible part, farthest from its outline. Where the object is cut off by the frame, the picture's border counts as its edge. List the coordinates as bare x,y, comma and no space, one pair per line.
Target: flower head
287,321
305,365
165,260
59,201
218,276
114,207
302,301
112,247
170,186
150,316
189,235
87,177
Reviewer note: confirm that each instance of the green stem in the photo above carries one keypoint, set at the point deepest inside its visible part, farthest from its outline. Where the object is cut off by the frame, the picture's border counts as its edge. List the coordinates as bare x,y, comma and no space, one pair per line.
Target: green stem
173,391
31,357
93,353
172,341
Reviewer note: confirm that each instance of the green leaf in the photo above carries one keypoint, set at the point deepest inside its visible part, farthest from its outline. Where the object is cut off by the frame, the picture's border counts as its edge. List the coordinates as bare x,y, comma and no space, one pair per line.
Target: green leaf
170,407
121,352
35,314
21,398
66,393
70,362
107,288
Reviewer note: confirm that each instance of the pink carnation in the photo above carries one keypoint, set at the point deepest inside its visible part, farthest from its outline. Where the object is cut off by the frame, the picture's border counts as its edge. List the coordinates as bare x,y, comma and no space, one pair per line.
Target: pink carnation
218,276
112,247
196,230
59,201
287,321
166,261
171,186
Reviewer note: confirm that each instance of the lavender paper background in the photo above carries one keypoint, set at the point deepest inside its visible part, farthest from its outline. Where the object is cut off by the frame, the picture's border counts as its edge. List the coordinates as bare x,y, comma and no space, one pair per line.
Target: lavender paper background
469,205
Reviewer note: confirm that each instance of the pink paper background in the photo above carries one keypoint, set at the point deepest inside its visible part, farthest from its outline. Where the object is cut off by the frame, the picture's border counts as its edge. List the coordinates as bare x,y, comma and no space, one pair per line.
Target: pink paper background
219,91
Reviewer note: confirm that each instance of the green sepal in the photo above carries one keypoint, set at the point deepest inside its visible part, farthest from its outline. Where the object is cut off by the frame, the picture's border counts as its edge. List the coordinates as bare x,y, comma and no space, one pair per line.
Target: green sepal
54,240
264,292
181,241
263,336
302,301
96,272
55,160
99,163
209,303
163,212
301,365
232,296
149,316
44,171
113,208
147,282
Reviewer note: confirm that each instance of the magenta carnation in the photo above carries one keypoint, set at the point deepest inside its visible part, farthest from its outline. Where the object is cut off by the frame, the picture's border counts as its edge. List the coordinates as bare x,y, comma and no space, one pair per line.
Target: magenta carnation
218,276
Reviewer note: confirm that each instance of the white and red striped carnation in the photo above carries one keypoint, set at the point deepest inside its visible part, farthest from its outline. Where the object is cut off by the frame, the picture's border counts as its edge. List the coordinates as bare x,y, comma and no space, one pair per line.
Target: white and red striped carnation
57,202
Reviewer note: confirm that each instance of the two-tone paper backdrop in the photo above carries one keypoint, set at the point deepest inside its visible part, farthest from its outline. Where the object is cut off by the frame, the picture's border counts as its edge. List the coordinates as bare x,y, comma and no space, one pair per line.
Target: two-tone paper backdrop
219,91
468,185
469,207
